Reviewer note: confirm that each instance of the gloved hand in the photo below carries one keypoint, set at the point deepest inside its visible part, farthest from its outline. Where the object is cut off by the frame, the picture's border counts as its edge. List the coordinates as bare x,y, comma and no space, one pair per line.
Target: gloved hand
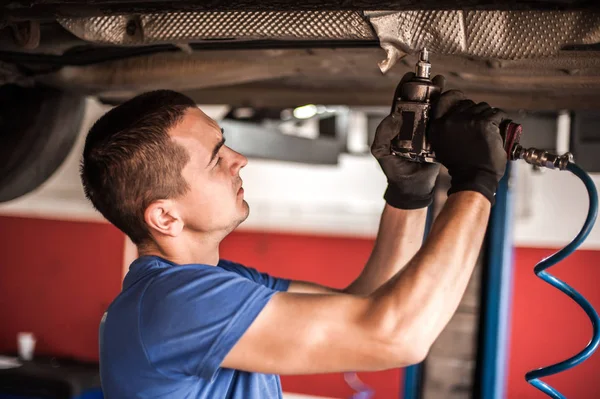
466,139
410,184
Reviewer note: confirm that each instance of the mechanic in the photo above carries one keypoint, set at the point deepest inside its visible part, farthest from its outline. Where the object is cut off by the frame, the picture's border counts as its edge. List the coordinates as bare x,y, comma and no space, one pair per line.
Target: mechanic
190,325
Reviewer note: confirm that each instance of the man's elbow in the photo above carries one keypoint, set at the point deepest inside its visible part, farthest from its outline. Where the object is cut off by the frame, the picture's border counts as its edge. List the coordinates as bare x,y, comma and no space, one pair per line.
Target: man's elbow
406,354
416,355
400,353
405,341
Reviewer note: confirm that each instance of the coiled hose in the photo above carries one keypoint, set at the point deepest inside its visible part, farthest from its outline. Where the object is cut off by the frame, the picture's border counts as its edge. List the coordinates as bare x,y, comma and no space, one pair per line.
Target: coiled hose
533,377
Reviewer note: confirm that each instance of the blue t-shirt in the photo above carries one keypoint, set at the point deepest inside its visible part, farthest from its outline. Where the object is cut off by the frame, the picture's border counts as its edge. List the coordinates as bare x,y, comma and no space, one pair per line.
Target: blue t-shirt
168,331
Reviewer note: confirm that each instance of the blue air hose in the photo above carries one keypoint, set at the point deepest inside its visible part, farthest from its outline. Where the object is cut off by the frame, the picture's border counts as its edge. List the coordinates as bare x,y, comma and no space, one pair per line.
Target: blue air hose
533,377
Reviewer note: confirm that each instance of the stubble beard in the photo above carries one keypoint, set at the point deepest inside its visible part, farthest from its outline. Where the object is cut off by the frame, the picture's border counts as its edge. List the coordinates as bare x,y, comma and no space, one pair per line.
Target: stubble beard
242,218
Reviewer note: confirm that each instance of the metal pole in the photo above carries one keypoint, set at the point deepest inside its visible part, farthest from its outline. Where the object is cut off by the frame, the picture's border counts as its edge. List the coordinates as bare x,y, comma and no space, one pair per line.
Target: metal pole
496,296
412,381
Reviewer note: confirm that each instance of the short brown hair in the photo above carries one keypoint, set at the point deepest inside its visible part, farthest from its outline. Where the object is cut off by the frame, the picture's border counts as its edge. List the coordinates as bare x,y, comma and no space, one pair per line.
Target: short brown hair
130,161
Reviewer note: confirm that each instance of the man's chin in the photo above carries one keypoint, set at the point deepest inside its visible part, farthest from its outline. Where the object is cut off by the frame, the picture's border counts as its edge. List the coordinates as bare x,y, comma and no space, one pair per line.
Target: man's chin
245,212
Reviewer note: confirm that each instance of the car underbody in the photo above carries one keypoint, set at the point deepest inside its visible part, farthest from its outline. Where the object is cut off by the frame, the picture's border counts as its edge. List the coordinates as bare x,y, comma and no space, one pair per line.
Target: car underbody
281,55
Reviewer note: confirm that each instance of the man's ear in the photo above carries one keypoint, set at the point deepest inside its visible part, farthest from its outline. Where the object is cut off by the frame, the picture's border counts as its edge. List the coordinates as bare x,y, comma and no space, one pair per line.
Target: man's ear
162,217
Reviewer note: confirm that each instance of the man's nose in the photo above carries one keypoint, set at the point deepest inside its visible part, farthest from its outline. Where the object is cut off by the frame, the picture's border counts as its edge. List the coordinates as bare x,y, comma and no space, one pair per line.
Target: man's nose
239,161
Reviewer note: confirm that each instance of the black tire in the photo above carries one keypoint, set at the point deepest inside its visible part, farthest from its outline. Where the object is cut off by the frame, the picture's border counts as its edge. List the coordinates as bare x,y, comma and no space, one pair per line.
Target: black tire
38,127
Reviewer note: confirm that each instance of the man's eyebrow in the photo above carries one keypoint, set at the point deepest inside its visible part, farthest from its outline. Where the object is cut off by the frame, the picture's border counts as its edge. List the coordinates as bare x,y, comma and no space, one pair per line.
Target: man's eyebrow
217,148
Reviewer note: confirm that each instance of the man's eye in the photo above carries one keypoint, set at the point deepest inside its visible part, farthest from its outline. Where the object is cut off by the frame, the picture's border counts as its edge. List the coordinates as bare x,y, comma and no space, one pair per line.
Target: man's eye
218,160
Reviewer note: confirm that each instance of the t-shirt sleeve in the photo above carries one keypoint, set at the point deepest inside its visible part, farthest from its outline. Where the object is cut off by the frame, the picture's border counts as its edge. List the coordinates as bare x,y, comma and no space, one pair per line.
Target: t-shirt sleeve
191,319
275,283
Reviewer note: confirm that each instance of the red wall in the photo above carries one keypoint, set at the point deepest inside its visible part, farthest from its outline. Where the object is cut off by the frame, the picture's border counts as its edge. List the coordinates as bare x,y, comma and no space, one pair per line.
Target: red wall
331,261
548,327
56,280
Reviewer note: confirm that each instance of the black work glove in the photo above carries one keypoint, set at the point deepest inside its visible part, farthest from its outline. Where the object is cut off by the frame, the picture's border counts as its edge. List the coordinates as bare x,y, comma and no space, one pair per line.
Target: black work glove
410,184
466,139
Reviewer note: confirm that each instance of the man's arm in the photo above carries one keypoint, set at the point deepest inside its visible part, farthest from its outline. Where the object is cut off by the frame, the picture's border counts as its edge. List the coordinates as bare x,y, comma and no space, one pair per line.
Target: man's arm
402,224
397,324
399,238
393,327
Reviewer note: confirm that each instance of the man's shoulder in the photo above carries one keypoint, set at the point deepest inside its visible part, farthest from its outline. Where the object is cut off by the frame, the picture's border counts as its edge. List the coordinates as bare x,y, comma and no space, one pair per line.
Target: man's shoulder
188,277
161,288
232,266
254,275
239,269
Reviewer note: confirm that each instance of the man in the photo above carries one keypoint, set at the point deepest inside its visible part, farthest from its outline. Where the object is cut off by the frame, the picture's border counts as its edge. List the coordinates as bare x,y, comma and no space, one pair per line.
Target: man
189,325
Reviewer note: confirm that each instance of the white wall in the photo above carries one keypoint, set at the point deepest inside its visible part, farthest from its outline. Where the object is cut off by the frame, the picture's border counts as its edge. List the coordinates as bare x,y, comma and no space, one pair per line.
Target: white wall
550,208
344,200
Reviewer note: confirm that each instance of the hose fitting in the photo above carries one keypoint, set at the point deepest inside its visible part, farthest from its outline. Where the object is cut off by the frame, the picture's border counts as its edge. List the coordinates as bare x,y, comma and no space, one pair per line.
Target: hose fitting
541,158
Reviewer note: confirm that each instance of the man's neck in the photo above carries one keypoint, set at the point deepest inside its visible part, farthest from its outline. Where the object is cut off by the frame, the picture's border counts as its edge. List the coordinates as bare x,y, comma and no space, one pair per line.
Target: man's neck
185,251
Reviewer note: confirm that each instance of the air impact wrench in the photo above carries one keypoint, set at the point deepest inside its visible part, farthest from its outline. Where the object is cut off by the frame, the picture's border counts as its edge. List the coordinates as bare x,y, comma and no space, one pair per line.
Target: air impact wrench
413,101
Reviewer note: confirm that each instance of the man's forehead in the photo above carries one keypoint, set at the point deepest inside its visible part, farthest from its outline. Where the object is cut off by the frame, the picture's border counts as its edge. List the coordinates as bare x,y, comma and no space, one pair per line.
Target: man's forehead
195,124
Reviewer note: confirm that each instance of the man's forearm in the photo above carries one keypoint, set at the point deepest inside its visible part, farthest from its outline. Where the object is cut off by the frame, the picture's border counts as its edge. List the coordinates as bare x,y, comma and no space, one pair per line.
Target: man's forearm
399,238
419,302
